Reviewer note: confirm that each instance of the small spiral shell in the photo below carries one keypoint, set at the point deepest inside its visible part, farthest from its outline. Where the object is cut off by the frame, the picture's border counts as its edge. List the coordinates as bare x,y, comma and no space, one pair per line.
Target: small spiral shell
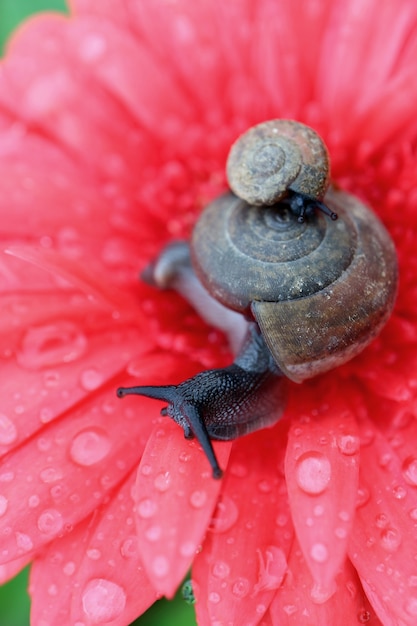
319,290
276,157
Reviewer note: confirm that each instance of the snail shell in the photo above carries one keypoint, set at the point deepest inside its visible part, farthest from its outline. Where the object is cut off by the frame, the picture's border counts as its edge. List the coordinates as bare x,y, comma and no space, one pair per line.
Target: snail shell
320,290
276,157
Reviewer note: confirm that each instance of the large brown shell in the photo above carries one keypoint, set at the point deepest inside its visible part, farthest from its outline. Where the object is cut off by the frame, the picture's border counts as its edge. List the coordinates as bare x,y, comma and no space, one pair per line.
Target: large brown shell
276,157
320,290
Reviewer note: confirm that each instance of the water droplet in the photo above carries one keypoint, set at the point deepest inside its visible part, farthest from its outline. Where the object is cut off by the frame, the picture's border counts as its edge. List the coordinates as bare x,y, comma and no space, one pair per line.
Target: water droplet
91,379
50,522
320,594
160,566
103,600
198,499
362,497
410,606
146,508
364,616
24,542
319,553
214,597
399,492
90,446
129,547
220,569
313,472
163,482
51,344
409,470
94,554
381,520
265,486
187,549
413,514
153,533
3,505
390,539
69,568
51,474
92,47
34,501
225,515
348,444
8,431
241,587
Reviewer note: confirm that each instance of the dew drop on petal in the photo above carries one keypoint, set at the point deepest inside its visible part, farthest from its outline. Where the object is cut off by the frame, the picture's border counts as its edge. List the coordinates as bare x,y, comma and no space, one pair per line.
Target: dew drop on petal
225,515
8,431
51,474
364,616
89,447
69,568
92,47
160,566
162,482
214,597
103,600
348,444
146,508
319,552
198,499
413,514
362,497
3,505
409,470
153,533
129,547
24,542
187,549
51,344
320,594
50,522
410,606
313,472
91,379
241,587
220,569
390,539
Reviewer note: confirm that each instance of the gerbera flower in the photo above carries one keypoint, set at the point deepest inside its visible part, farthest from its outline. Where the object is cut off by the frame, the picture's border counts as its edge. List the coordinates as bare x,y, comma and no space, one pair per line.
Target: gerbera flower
115,124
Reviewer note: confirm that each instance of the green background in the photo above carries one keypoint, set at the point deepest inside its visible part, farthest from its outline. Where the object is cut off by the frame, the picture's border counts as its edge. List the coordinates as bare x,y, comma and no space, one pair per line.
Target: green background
14,601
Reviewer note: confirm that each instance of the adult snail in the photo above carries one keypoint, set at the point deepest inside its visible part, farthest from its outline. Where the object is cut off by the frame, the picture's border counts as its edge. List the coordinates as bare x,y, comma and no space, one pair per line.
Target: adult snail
297,296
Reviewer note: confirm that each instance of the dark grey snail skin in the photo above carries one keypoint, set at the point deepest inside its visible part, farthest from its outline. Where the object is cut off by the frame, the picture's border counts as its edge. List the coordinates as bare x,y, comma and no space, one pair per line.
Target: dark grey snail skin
309,294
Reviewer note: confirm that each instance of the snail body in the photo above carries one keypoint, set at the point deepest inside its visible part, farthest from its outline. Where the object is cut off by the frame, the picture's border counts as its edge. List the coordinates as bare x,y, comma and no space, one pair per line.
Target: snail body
314,292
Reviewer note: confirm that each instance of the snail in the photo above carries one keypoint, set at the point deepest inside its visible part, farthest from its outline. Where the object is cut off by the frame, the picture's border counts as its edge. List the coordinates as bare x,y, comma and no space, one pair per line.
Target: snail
297,297
280,160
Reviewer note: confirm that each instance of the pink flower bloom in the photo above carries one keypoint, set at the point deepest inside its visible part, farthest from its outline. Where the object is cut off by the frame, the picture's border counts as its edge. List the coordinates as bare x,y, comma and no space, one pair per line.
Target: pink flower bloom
115,124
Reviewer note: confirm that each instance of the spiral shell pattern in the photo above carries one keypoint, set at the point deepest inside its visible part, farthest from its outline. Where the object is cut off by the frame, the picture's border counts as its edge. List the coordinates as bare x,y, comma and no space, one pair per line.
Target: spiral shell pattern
276,157
319,290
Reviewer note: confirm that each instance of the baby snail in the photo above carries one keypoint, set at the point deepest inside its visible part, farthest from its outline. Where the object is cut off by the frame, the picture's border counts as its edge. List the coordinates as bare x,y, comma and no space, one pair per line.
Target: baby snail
297,297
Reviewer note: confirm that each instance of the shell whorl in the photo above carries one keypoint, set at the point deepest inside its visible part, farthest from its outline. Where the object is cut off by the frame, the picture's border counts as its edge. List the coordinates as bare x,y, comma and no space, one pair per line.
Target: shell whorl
319,290
277,157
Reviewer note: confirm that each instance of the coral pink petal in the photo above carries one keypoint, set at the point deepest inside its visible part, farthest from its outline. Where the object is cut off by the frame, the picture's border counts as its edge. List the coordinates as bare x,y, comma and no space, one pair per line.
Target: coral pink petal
63,473
322,463
96,570
244,557
383,540
53,355
9,570
299,602
175,497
